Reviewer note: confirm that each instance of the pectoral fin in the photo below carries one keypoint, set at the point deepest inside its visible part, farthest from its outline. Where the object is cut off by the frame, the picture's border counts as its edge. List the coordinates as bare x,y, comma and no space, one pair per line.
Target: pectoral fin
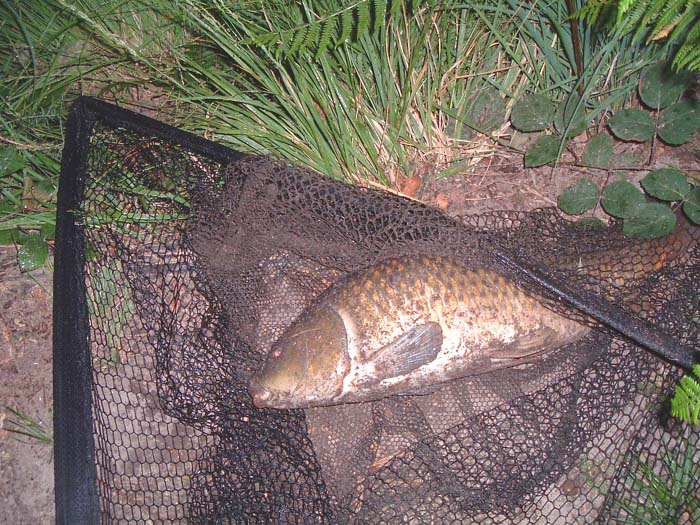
415,348
530,344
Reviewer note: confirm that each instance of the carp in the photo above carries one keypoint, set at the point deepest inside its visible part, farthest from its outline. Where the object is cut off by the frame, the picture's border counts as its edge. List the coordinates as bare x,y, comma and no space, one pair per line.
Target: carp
408,324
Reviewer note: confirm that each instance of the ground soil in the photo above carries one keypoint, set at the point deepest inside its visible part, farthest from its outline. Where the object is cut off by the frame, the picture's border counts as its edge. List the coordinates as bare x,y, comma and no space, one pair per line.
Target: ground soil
26,485
499,182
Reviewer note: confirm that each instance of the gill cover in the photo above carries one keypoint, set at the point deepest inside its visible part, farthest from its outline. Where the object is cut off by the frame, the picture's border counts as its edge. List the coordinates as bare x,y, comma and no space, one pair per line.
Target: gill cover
306,364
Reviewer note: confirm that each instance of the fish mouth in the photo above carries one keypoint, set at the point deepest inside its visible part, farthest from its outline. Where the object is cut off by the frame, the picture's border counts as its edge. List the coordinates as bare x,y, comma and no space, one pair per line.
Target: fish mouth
262,396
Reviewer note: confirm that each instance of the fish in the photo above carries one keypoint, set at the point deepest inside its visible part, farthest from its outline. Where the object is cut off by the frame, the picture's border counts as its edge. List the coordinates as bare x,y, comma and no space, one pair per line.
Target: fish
401,325
408,324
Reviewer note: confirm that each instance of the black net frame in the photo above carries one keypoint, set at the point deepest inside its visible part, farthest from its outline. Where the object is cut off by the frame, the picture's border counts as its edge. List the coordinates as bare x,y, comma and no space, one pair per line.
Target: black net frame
76,490
102,478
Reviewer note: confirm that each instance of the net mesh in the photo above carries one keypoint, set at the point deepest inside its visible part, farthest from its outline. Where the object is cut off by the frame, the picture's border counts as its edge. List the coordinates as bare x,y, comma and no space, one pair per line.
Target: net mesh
193,269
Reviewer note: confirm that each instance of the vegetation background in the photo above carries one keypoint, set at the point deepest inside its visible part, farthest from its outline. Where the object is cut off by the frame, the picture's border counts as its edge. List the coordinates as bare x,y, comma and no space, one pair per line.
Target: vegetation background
396,94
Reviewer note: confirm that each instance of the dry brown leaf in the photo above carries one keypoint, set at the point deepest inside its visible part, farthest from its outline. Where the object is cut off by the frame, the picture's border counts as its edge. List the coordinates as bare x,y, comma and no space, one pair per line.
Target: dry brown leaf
410,186
442,201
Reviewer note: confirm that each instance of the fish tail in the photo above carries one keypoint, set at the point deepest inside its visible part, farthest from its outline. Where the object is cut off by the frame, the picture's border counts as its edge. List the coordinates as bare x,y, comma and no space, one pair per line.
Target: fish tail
628,265
674,247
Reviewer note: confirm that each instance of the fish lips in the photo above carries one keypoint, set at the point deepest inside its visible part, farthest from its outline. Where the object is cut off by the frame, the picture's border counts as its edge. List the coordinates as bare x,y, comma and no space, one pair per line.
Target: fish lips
262,396
265,397
307,365
262,388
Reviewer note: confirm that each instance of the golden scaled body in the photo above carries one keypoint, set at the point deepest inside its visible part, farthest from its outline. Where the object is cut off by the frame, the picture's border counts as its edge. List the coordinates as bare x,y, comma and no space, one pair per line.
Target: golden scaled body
404,325
408,324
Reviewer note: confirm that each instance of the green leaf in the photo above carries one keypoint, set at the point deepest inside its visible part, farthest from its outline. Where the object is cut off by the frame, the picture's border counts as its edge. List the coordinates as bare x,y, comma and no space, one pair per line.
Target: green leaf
620,198
568,115
591,222
685,404
48,231
10,161
632,124
532,113
660,86
346,25
8,237
543,151
667,184
678,123
44,191
598,152
649,220
7,207
579,197
487,110
691,207
33,253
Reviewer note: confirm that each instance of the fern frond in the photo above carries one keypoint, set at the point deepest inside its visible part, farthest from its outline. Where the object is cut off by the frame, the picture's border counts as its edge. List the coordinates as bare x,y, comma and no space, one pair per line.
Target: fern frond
669,18
591,11
351,21
395,8
624,6
639,17
363,16
379,14
311,37
324,42
296,39
686,403
600,14
346,26
688,56
683,25
267,39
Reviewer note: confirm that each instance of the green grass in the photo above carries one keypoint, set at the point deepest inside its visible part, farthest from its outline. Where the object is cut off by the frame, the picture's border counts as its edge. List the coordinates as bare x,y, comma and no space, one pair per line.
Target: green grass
663,494
30,430
368,91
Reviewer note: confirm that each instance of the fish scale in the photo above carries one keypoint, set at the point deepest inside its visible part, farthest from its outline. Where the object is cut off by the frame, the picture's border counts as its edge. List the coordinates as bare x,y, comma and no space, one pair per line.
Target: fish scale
454,317
408,324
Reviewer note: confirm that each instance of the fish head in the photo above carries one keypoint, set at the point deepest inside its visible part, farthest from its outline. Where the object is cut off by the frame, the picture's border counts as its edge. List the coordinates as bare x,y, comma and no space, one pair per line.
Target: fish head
306,365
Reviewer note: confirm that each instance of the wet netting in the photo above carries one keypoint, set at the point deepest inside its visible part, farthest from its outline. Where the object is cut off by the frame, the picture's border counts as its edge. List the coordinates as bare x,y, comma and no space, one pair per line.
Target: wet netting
180,263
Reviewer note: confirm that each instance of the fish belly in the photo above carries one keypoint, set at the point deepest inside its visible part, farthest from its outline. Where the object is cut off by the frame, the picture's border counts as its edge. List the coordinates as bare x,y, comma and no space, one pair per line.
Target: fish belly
485,320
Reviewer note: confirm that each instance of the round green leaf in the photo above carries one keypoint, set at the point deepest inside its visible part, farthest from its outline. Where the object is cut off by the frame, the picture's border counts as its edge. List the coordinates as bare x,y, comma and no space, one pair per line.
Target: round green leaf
678,123
6,206
33,252
667,184
598,151
8,237
649,220
485,112
570,114
488,110
660,86
691,207
543,151
48,231
620,198
10,161
579,197
532,113
632,124
44,191
591,222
